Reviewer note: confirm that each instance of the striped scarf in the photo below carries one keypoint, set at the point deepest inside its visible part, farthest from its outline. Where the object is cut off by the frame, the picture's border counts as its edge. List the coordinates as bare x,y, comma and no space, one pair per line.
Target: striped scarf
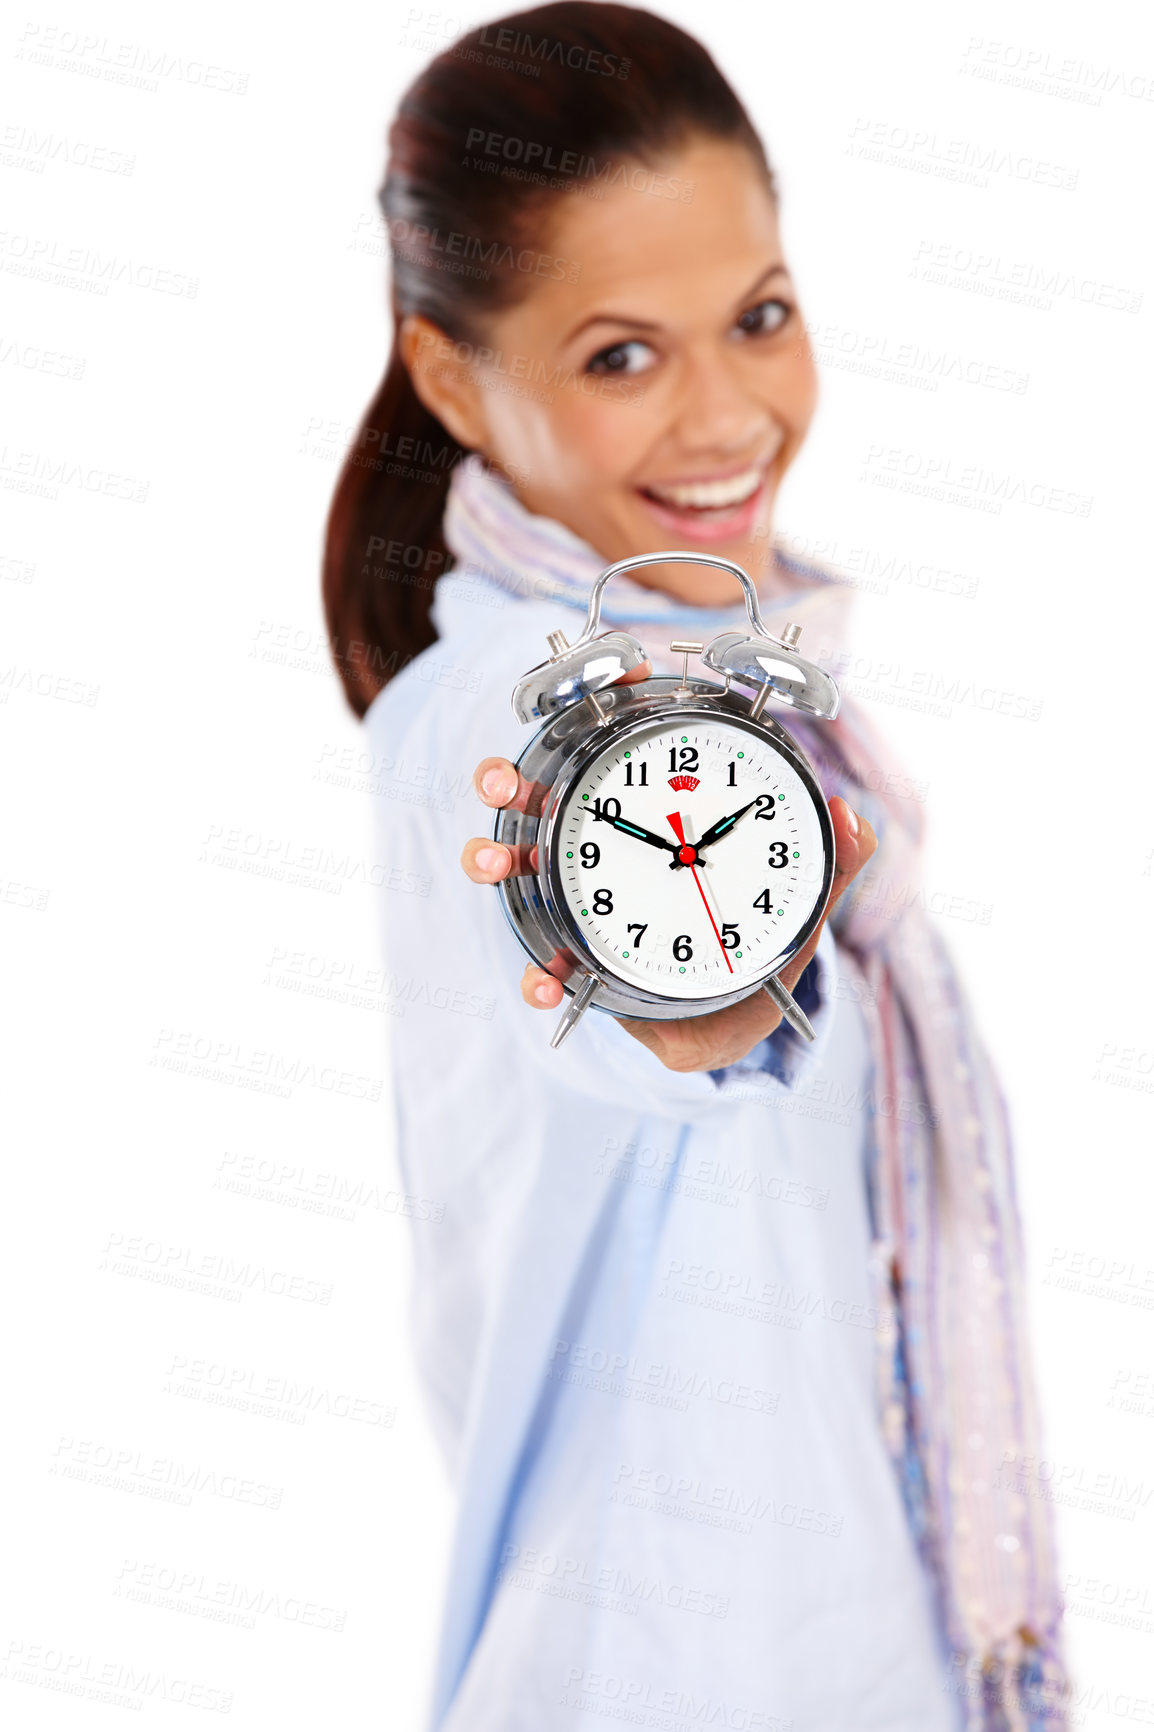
956,1393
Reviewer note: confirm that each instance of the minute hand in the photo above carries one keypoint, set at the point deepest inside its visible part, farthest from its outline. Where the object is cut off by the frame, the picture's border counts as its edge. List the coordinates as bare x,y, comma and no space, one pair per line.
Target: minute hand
722,827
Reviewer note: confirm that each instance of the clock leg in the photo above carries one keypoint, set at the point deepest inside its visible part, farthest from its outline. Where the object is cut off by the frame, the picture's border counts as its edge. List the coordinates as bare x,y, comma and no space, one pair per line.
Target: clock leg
575,1010
789,1008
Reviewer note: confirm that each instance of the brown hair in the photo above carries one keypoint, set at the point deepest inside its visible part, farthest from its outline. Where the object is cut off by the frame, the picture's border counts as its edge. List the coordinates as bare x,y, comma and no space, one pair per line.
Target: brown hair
575,87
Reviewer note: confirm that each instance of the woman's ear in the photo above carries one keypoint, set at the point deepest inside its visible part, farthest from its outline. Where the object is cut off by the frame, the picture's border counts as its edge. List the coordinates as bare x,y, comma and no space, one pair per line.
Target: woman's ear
447,385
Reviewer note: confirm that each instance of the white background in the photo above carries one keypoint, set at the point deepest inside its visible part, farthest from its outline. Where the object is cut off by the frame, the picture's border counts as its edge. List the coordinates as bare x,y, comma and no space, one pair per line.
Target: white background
170,716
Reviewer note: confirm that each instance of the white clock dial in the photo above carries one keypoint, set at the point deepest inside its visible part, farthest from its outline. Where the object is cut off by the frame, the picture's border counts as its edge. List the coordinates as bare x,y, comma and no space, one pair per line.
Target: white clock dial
658,914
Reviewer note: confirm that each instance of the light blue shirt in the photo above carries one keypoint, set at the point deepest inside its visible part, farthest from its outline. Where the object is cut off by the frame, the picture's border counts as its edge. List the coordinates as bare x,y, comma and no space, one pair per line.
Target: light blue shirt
644,1306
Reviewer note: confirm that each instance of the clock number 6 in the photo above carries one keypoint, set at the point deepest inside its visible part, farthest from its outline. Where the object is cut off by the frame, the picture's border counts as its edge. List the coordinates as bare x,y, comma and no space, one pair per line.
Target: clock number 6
683,948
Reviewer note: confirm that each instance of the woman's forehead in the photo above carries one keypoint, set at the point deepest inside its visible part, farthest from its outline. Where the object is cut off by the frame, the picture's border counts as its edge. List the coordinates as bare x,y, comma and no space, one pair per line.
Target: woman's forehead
635,251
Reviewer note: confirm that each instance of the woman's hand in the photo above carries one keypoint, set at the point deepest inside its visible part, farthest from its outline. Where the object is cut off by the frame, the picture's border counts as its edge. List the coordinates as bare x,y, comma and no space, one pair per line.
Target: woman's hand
690,1043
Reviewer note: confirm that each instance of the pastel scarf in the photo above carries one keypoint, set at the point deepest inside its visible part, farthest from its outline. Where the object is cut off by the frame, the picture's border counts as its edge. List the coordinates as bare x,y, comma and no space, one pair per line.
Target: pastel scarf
956,1388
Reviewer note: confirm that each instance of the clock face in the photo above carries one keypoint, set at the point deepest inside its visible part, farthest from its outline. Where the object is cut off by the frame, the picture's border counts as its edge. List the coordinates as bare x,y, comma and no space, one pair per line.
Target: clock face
689,854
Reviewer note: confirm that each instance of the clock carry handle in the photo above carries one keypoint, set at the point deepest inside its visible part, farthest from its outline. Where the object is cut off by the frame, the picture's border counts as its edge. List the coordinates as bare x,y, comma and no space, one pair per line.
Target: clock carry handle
771,665
593,618
756,658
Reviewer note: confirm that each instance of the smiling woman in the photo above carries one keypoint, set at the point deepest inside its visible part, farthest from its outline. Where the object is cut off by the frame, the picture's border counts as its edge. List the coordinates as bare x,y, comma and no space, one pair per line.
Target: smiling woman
692,311
650,372
721,1332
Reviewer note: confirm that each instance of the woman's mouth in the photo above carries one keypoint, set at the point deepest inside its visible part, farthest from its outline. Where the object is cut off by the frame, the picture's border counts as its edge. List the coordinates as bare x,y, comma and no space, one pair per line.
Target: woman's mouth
717,509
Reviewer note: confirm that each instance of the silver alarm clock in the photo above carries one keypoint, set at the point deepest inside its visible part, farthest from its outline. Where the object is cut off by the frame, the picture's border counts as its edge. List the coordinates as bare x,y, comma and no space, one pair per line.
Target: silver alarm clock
677,849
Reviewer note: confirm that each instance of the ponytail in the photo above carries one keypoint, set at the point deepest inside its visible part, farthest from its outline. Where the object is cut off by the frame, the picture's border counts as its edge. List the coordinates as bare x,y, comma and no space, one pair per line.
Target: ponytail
384,549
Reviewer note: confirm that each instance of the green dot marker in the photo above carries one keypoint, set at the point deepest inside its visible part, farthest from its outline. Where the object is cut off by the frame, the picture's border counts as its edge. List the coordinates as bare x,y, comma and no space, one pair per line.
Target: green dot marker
681,971
684,737
741,754
569,855
584,796
737,953
627,754
624,953
781,796
781,911
795,854
584,911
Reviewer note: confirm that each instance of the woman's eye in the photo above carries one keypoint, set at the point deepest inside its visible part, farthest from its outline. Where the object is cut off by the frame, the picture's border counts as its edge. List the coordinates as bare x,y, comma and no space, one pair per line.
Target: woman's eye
631,357
765,318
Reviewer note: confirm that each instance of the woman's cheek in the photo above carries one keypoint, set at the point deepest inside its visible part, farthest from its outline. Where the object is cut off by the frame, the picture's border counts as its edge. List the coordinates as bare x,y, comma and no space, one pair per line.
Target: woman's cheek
794,383
592,435
609,434
525,437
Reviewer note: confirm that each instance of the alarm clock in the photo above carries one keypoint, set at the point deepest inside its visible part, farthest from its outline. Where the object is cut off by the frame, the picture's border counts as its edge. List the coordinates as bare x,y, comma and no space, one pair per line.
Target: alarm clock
676,849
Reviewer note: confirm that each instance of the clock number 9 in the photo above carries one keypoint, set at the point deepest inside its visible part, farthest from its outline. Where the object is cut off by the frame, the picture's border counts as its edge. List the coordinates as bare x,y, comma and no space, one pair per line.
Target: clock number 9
590,854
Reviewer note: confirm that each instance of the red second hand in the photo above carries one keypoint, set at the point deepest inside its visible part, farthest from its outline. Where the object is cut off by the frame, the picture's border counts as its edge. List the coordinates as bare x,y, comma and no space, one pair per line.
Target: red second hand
687,848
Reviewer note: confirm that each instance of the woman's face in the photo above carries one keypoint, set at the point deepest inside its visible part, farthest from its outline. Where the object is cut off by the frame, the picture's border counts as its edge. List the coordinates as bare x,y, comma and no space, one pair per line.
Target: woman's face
675,378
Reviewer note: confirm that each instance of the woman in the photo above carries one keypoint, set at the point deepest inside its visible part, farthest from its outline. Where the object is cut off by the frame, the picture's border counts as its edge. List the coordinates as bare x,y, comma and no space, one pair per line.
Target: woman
721,1334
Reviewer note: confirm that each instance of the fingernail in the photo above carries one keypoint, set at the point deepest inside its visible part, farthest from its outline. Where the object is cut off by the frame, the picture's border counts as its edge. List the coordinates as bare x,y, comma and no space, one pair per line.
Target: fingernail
498,785
491,859
853,824
543,993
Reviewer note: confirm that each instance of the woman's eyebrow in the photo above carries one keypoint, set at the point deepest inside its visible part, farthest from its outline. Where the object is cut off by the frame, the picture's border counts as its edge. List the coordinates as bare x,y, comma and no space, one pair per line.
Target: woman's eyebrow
648,324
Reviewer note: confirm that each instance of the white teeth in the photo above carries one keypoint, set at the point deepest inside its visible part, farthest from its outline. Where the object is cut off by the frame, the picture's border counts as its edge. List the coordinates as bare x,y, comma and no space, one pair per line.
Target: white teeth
704,495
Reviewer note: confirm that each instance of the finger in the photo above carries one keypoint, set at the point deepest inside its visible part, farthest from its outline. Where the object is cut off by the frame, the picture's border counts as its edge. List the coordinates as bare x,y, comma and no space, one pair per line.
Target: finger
486,861
541,989
639,673
497,783
854,845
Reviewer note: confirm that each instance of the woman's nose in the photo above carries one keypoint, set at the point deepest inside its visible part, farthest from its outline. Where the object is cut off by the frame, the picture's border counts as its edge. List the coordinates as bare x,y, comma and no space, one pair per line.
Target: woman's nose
717,412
